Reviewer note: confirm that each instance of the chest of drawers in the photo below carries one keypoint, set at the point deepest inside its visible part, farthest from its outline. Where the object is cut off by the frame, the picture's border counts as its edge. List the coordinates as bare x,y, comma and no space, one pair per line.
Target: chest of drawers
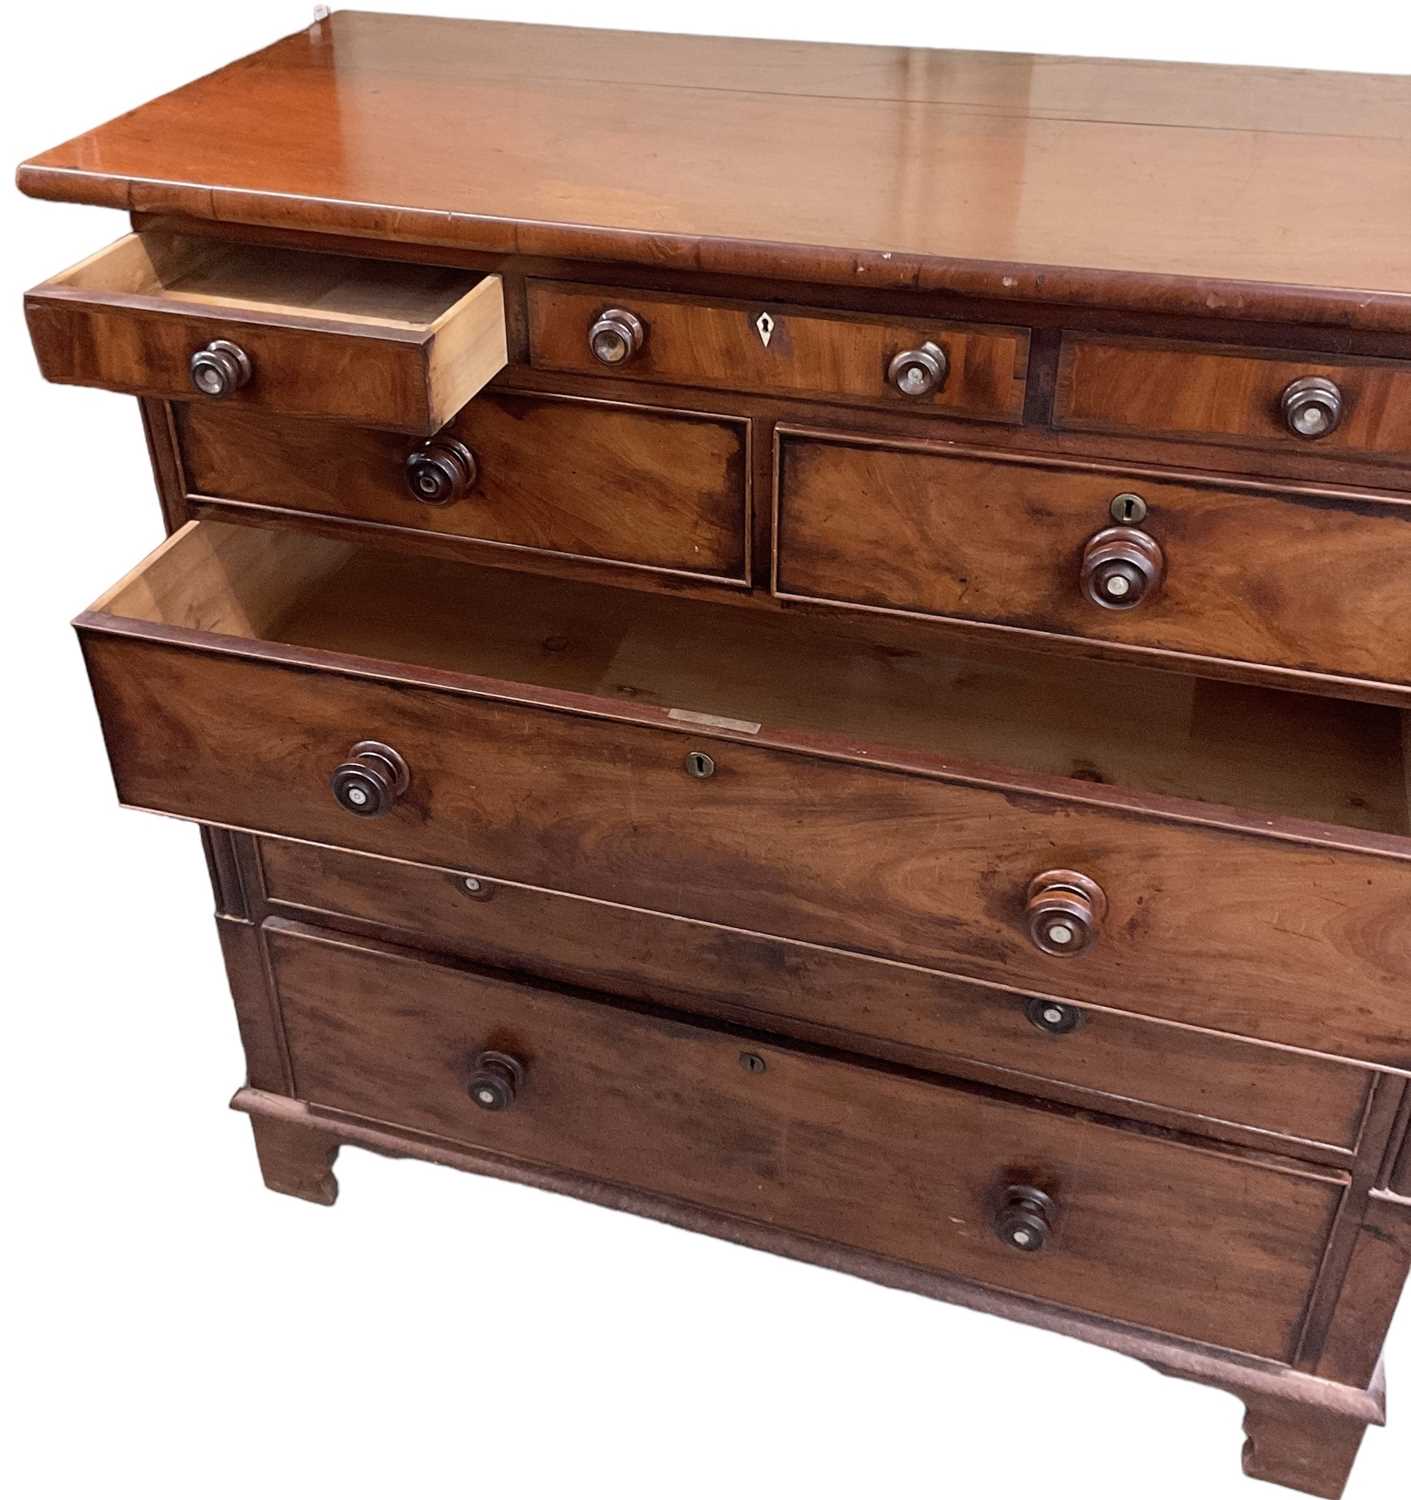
795,682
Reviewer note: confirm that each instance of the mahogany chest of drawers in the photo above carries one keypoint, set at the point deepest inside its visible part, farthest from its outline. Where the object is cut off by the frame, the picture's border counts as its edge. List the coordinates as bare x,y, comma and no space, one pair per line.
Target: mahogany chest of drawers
803,682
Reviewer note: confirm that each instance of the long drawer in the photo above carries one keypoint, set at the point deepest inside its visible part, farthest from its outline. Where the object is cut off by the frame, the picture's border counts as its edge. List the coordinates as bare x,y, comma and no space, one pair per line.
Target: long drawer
1216,1085
601,480
1045,1204
228,691
1300,580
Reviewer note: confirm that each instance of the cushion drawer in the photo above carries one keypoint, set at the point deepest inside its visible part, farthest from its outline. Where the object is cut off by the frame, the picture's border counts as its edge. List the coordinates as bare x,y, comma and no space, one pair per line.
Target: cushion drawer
1163,389
874,1160
866,1005
640,485
400,346
804,835
1305,581
809,353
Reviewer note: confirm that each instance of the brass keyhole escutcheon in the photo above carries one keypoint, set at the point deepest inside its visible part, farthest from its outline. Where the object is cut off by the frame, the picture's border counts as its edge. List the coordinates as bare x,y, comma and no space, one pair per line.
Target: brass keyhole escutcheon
1128,509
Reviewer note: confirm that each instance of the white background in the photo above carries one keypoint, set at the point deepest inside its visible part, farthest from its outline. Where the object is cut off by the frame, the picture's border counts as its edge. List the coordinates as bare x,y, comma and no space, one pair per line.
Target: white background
172,1329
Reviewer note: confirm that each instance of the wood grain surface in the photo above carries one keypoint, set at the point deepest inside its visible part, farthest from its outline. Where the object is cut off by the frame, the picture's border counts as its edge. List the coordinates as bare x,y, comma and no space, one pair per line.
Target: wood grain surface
1296,578
934,1020
1312,944
325,336
717,344
881,685
1151,388
870,167
874,1160
589,479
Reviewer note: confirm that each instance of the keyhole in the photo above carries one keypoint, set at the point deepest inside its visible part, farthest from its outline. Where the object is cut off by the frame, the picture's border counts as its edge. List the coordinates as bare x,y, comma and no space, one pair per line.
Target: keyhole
1128,509
699,764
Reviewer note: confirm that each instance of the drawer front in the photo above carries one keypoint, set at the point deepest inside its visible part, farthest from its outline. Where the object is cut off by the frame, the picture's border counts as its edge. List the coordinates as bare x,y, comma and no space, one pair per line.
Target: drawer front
1172,1237
1311,945
1305,581
593,479
835,357
1231,395
860,1004
272,330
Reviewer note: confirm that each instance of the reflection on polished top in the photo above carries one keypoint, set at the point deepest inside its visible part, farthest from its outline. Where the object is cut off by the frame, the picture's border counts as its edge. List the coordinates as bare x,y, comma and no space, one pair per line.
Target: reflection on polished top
1242,192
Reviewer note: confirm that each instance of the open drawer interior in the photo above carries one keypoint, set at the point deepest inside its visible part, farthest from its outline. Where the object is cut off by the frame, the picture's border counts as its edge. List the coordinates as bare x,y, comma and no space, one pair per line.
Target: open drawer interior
886,689
184,270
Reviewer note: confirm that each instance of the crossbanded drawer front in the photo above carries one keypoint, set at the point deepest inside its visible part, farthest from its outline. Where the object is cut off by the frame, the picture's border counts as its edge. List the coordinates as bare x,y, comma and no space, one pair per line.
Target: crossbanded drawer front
1313,943
594,479
1304,581
1217,1085
874,1160
1305,404
942,368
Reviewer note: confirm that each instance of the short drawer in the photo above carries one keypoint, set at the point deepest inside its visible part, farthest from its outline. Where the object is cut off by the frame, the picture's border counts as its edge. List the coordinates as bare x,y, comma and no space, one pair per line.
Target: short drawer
577,739
878,1161
963,369
592,479
401,346
1303,580
1217,1085
1303,403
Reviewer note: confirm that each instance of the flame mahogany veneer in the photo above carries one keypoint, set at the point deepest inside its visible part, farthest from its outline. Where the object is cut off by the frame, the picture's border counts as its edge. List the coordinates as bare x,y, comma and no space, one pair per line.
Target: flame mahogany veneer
811,681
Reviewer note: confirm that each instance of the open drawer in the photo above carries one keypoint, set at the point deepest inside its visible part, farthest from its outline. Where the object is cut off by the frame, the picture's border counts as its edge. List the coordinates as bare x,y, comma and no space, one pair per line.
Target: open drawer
1079,829
387,345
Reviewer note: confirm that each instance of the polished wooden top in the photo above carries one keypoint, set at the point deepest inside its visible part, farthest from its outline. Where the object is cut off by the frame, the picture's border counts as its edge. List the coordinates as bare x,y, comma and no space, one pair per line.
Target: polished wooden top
1235,191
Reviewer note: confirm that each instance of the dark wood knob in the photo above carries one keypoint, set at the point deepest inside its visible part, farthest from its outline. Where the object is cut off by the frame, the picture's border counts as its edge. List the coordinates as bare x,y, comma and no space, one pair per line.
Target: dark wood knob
220,369
440,471
918,372
372,778
1063,912
1025,1218
495,1080
1312,406
1122,567
616,336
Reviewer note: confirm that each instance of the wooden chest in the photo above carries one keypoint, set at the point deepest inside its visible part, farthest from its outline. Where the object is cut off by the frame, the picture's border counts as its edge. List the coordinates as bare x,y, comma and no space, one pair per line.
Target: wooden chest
788,695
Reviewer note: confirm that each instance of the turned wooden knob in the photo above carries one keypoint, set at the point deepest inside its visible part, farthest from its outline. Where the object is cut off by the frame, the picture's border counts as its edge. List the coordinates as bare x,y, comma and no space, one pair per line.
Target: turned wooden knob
372,778
616,336
495,1079
1122,567
440,471
1311,407
1025,1218
918,372
220,369
1063,912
